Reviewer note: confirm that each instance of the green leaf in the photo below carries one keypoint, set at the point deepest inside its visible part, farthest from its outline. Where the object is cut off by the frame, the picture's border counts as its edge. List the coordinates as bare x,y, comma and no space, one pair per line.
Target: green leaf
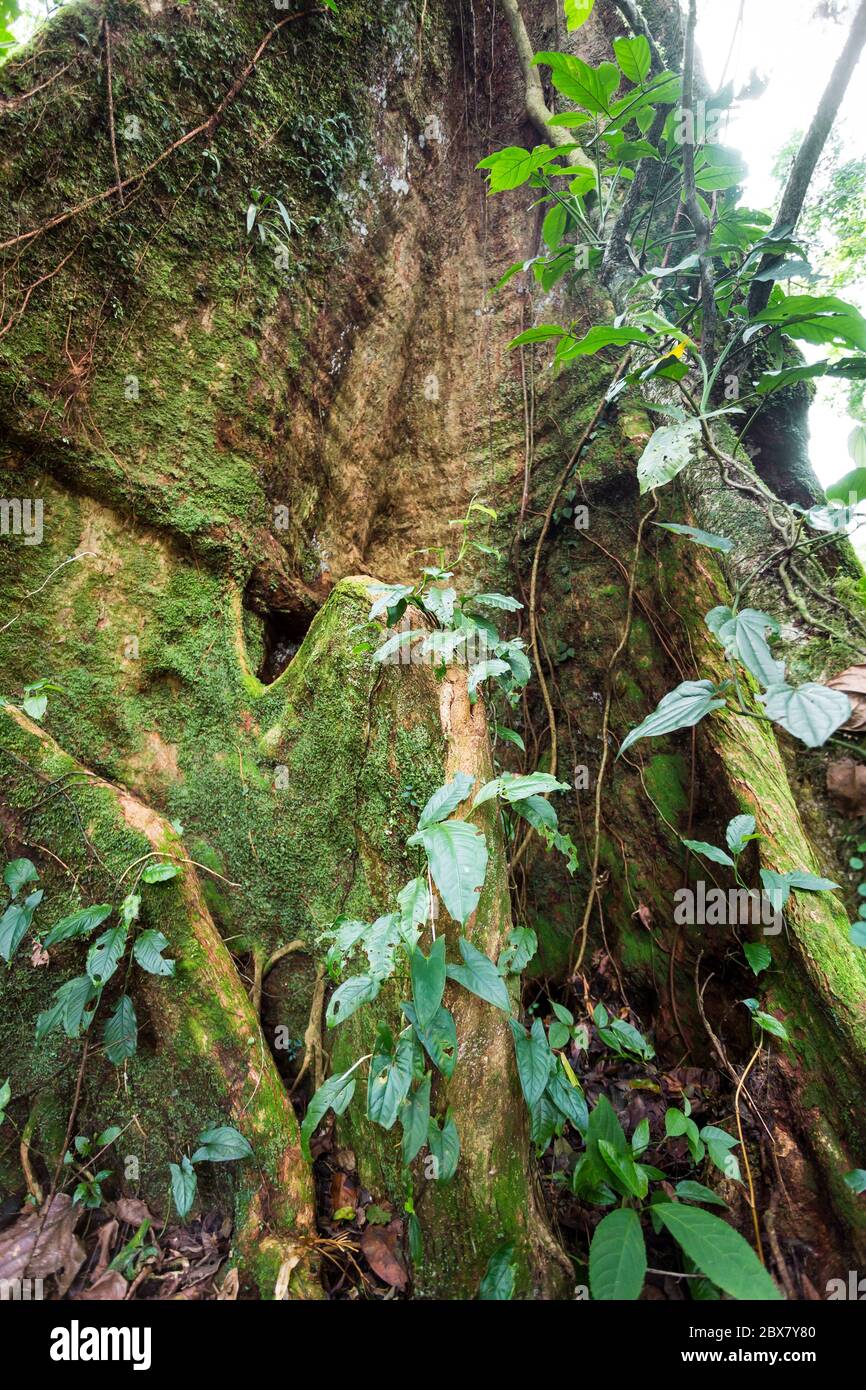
718,856
428,981
221,1145
387,596
70,1009
810,712
597,338
759,956
634,57
817,319
513,787
718,1250
740,830
148,948
617,1257
509,736
415,1118
851,488
414,900
15,923
535,1061
504,601
457,855
106,954
850,368
668,452
444,1145
512,166
334,1094
80,923
388,1081
445,800
680,709
183,1187
520,947
624,1169
479,975
719,1148
690,1191
699,537
19,872
570,1100
588,87
856,1180
484,670
497,1284
744,636
159,873
577,12
120,1034
439,1038
352,993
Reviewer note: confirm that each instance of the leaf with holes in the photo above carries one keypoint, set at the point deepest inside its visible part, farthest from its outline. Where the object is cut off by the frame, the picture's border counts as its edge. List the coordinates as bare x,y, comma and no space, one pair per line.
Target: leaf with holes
439,1038
668,452
352,993
148,948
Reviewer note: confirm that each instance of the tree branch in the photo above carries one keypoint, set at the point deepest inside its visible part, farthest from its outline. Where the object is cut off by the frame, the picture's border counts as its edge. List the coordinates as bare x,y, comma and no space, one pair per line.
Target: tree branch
536,107
811,149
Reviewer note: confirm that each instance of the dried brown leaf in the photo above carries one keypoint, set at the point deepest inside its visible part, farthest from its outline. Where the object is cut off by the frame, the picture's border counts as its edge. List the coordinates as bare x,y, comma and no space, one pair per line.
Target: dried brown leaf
381,1246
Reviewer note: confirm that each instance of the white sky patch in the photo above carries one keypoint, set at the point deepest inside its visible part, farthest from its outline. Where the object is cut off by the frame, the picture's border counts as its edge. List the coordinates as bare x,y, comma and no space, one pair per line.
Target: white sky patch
785,42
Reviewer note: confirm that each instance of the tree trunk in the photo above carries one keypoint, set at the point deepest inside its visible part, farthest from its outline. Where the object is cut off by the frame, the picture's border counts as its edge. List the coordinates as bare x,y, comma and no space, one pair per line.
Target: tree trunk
232,436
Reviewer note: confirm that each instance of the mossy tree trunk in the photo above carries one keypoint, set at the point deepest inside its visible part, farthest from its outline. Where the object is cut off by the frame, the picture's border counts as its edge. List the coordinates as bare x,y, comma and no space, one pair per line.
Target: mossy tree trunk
220,429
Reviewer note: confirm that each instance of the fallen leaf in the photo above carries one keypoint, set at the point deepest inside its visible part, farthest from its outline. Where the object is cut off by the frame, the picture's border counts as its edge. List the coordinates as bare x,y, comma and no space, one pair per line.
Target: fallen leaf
132,1211
105,1237
381,1249
110,1286
853,684
43,1242
644,914
344,1191
846,786
39,955
230,1286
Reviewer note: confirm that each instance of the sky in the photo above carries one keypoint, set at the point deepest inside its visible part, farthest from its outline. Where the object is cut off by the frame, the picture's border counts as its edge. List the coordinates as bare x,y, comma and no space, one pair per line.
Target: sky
796,51
790,44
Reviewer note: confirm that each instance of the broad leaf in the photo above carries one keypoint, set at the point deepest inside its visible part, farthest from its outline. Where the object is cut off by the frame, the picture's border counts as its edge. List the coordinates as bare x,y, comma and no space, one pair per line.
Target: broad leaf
148,948
334,1094
19,872
758,955
535,1061
388,1081
80,923
634,57
428,981
221,1145
479,975
680,709
699,537
159,873
444,1145
718,1250
497,1285
120,1034
718,856
445,800
106,954
617,1257
439,1038
740,830
183,1187
810,712
457,855
415,1118
668,452
352,993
